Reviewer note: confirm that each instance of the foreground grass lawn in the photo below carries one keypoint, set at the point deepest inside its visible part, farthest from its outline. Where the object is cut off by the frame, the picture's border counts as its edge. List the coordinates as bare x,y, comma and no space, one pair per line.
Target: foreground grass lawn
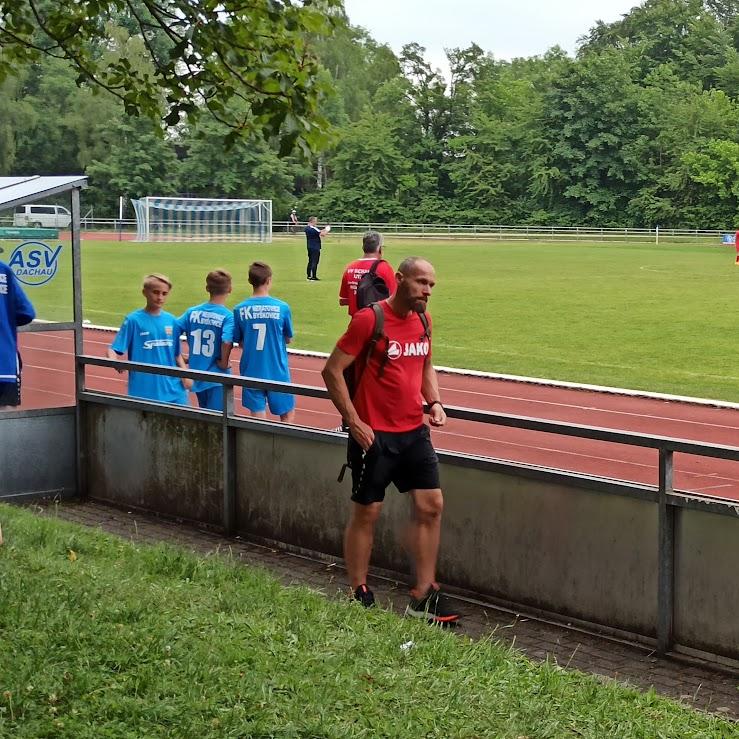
101,638
660,318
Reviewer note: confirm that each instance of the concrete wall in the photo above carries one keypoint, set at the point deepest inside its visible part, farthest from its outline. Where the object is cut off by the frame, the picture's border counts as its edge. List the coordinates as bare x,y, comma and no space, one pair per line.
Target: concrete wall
588,554
583,549
37,453
707,582
161,463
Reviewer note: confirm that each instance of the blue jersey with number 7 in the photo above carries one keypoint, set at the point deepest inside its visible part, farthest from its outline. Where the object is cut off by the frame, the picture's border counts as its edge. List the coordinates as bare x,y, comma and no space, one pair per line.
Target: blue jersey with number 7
262,326
206,326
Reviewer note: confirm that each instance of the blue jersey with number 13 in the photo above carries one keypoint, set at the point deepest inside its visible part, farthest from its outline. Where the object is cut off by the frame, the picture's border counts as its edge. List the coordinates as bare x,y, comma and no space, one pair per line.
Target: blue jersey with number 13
207,326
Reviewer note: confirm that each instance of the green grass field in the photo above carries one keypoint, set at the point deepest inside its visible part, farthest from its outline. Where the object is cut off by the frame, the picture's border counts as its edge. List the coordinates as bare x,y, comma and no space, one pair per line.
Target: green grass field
103,638
640,316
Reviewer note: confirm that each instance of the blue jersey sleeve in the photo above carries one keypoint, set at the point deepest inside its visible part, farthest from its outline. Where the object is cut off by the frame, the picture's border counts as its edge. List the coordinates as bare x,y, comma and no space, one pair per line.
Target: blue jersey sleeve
176,330
182,325
237,337
287,327
228,331
122,342
24,311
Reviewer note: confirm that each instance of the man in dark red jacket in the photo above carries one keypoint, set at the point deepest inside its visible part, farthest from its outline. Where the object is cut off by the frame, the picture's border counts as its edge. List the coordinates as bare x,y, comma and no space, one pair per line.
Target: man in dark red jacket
388,440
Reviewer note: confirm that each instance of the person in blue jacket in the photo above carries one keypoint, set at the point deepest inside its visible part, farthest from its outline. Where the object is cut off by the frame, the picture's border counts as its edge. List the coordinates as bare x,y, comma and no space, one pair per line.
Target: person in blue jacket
151,335
15,310
313,236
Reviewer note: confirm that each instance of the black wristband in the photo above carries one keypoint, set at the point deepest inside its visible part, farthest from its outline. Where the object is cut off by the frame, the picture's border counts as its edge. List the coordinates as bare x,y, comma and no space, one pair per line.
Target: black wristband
436,402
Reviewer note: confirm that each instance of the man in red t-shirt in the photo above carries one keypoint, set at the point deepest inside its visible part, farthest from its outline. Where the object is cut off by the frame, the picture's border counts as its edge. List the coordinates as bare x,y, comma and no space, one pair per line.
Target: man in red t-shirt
372,248
388,440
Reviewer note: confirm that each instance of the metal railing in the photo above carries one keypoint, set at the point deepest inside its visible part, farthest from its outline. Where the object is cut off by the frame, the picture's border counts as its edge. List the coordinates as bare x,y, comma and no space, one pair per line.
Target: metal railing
517,233
464,231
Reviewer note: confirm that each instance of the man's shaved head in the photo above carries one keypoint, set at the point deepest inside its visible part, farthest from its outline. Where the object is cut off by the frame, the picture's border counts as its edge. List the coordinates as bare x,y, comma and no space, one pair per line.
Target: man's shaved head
409,265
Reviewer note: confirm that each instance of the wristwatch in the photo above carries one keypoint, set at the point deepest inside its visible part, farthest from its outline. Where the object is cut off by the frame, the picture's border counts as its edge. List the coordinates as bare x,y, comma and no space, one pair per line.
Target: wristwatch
436,402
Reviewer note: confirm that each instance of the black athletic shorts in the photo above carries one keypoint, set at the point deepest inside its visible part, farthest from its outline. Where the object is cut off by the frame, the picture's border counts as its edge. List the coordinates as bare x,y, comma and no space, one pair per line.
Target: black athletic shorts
10,392
406,459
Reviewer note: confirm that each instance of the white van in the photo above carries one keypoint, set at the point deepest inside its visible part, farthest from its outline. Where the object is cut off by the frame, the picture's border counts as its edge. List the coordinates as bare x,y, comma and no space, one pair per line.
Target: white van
42,216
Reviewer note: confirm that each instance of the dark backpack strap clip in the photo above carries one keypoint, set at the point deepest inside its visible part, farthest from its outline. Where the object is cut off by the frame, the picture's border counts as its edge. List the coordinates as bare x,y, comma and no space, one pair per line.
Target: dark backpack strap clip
426,328
342,472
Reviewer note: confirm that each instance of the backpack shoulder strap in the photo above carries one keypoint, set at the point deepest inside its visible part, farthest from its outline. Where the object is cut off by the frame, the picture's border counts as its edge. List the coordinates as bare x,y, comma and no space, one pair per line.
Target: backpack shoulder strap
373,268
379,321
377,334
425,324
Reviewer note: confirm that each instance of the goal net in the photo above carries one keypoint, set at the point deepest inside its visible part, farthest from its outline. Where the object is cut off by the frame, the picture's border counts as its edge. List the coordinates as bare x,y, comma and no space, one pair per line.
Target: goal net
195,219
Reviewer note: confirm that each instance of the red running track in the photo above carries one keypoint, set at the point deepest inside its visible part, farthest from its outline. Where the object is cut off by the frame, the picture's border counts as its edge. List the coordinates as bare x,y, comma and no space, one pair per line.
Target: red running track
48,381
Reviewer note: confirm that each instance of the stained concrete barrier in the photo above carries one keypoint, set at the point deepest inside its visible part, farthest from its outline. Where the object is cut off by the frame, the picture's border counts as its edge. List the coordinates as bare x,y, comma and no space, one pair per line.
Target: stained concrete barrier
578,549
37,453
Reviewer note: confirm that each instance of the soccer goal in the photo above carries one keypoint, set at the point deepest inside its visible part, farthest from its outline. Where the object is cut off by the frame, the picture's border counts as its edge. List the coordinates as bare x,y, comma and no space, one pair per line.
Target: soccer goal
196,219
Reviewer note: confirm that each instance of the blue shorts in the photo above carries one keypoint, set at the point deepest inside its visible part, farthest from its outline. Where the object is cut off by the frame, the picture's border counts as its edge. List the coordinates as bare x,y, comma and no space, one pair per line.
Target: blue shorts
211,398
257,400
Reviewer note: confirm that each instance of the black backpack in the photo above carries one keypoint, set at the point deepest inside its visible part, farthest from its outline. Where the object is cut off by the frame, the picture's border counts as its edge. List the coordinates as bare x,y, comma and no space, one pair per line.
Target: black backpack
371,288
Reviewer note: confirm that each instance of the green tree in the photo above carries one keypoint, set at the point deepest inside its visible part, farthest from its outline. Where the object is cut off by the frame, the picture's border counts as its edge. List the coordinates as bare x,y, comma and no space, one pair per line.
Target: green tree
372,176
215,53
18,116
249,169
683,33
358,66
590,116
139,161
715,167
494,166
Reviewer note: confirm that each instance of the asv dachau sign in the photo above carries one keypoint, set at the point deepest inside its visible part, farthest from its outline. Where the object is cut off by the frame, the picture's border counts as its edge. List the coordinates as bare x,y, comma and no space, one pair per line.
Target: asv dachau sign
35,263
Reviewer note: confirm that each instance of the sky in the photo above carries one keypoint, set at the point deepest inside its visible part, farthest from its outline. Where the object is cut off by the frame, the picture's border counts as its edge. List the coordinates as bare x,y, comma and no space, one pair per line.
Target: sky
507,28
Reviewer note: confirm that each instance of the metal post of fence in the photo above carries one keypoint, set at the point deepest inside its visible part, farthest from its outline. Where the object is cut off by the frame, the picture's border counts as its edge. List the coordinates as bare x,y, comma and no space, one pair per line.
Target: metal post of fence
79,370
665,555
229,463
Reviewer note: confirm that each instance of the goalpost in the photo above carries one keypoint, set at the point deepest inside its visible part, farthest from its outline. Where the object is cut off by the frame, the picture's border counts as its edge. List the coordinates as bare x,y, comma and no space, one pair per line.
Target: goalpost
198,219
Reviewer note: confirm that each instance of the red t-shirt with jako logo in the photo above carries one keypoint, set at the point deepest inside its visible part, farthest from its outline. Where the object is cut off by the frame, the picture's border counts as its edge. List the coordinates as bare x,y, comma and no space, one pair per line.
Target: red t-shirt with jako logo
392,402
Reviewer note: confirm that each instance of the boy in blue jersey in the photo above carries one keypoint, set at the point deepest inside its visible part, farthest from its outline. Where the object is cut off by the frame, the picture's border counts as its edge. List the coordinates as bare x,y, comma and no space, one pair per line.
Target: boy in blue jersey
15,310
208,327
263,326
151,335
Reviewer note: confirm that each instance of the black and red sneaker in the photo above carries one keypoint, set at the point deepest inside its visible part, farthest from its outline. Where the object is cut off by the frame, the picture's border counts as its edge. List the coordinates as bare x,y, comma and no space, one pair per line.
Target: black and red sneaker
434,607
364,596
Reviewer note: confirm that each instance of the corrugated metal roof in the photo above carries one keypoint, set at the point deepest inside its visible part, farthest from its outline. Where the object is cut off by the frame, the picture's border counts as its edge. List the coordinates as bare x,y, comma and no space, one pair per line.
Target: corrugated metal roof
18,190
